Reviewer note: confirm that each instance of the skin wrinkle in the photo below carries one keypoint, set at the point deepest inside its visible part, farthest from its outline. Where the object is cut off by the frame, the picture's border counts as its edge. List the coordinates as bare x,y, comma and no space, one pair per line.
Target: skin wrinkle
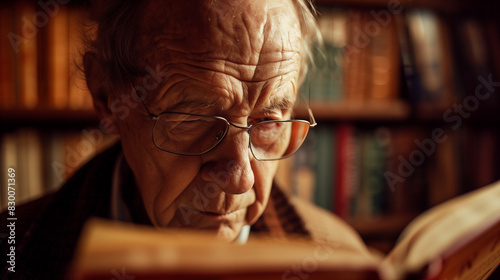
240,27
171,45
178,58
213,74
158,200
256,46
222,9
174,81
223,200
221,65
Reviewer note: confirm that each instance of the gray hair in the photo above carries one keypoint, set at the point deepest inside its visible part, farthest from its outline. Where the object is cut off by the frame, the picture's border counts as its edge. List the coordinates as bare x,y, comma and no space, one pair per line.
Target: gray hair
112,30
310,34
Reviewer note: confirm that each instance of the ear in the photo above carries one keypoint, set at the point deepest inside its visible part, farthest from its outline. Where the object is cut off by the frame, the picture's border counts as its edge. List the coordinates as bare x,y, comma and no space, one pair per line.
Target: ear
100,93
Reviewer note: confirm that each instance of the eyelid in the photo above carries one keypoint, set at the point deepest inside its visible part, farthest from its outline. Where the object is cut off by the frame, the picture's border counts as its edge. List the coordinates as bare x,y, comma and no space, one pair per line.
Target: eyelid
279,114
266,116
195,107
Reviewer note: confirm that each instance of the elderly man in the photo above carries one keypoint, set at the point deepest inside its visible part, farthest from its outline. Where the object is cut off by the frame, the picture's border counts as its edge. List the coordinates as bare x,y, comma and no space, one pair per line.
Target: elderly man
201,94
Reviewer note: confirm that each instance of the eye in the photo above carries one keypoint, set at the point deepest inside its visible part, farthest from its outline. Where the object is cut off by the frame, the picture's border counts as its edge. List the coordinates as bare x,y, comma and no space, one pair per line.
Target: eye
266,133
268,119
256,120
183,127
189,125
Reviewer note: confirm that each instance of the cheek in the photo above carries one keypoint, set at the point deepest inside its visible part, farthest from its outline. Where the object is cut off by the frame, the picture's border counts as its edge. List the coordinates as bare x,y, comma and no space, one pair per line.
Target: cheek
172,177
137,147
160,176
264,172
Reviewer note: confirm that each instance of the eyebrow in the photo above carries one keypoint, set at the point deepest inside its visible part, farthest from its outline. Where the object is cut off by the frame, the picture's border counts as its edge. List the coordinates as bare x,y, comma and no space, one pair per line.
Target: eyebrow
193,104
279,103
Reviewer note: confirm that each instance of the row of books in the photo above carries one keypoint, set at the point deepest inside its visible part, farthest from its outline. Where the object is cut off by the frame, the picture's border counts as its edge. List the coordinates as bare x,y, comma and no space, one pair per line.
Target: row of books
374,55
39,56
366,55
360,172
44,160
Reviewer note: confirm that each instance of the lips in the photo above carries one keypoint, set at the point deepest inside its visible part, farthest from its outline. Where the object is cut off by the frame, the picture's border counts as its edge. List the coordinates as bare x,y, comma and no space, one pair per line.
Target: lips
216,213
196,209
220,216
223,204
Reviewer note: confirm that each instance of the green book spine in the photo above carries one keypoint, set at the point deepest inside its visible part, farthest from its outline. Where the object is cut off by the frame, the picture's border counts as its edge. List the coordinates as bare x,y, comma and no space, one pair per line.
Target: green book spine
324,167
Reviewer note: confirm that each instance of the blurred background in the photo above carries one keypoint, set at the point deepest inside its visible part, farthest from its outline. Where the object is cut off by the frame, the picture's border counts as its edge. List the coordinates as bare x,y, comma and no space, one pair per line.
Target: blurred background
406,94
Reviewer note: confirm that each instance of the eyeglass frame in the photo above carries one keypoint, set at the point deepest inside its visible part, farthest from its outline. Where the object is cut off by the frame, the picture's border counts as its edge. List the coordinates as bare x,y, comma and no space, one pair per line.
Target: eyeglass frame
228,124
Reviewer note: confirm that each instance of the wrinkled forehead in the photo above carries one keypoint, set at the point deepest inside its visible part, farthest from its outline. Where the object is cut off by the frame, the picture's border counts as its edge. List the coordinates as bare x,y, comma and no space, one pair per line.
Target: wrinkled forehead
223,29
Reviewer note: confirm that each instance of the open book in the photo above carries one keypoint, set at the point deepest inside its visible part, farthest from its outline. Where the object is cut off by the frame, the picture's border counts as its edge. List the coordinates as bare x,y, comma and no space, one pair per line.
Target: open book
459,239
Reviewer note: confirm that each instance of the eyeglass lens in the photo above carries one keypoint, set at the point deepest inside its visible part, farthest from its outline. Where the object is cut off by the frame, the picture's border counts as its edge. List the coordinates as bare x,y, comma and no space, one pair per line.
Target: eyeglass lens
194,135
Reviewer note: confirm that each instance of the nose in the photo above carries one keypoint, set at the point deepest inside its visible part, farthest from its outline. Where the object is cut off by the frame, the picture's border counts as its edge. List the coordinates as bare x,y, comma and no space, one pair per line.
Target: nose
229,165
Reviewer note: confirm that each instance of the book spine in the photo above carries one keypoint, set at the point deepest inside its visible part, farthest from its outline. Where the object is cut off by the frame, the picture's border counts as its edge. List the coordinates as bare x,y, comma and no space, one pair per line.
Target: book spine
8,155
333,27
58,74
354,58
383,61
33,156
53,161
7,90
26,58
411,75
378,159
79,97
342,198
425,36
323,167
303,175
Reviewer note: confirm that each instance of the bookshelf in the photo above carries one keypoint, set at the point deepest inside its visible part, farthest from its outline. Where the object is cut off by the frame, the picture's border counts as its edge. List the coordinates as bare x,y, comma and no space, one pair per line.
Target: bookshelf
48,116
48,126
443,48
368,118
449,6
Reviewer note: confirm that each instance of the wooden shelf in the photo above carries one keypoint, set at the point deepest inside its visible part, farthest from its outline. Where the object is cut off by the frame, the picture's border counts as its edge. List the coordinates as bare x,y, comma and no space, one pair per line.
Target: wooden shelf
47,116
369,111
436,113
448,6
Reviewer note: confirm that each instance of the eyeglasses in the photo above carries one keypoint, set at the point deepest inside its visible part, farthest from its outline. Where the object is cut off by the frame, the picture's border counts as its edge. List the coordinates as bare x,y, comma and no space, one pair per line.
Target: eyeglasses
194,134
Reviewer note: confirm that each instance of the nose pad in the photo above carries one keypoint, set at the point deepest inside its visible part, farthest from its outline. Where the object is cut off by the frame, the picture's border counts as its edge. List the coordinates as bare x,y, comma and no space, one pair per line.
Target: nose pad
219,136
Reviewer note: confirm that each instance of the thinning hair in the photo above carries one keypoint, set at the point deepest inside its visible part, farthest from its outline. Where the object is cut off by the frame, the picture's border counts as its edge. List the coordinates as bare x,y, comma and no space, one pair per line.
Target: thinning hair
112,30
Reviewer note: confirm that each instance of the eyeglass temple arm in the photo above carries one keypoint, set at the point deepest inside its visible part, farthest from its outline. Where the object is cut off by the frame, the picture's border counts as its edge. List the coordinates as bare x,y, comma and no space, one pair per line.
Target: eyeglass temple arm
312,120
311,117
154,117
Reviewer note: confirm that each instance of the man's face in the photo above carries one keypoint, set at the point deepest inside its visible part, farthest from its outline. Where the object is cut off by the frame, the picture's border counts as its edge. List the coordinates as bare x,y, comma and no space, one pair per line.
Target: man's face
235,59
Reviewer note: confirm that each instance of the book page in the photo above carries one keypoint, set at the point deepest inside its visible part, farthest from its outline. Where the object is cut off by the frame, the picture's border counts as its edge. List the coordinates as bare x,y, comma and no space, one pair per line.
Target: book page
477,259
436,234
